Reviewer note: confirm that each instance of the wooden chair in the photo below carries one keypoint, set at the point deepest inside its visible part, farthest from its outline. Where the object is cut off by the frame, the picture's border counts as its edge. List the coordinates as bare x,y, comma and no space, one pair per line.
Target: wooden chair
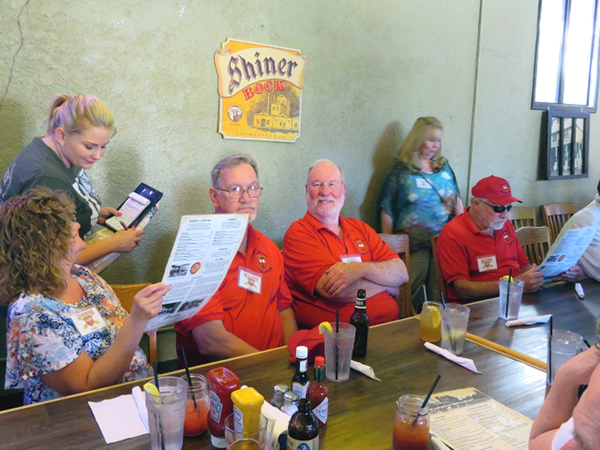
535,242
522,216
399,243
441,282
555,216
125,293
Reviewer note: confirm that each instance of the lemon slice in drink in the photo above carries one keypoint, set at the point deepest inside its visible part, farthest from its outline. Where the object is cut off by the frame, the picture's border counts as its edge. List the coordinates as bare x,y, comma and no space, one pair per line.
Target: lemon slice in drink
325,326
435,315
510,279
151,389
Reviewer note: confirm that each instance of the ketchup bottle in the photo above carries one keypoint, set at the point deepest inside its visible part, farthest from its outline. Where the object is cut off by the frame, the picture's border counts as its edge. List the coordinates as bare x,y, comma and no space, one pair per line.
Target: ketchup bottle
221,383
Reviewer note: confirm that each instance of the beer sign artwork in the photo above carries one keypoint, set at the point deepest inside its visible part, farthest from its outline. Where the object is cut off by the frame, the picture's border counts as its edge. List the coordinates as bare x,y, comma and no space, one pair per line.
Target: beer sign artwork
260,90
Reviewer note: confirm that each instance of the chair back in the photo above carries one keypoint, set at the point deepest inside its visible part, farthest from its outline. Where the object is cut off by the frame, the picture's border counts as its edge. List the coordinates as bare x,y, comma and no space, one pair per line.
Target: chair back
399,243
126,294
535,242
555,216
522,216
441,282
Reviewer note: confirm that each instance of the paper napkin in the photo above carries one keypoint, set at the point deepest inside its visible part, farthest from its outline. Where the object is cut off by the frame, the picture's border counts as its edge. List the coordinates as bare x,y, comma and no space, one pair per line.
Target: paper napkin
465,362
364,369
528,320
118,418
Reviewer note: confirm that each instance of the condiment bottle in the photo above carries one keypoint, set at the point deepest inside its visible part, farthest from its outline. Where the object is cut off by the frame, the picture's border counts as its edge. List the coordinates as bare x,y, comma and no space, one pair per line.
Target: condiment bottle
221,383
290,402
318,394
278,391
303,429
247,403
411,428
300,378
360,320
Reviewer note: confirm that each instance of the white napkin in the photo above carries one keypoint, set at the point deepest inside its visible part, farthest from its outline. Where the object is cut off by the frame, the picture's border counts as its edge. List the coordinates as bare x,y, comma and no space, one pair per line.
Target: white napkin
118,418
280,418
528,320
139,397
465,362
364,369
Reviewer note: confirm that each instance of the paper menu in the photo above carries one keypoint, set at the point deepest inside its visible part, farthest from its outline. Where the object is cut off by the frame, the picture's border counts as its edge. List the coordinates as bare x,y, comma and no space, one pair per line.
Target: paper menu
200,258
566,251
468,419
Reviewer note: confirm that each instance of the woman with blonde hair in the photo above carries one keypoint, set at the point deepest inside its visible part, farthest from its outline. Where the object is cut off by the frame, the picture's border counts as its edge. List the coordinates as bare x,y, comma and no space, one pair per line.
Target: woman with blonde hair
67,332
79,129
419,196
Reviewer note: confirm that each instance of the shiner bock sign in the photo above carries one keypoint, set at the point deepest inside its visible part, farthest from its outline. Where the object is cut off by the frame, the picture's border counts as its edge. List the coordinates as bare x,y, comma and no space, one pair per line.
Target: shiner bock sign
260,90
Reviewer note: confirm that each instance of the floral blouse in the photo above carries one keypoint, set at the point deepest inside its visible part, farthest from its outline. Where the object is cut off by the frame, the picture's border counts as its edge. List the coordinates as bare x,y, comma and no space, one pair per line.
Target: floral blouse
43,336
415,207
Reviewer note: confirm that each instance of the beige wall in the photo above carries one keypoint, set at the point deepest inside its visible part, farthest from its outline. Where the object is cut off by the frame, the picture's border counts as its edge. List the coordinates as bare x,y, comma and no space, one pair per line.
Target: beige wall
372,68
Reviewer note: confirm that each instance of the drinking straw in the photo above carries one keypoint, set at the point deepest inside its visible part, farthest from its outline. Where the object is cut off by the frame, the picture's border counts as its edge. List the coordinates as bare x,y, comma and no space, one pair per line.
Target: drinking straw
187,373
508,292
437,379
447,326
425,293
587,343
443,300
160,432
156,376
336,350
549,373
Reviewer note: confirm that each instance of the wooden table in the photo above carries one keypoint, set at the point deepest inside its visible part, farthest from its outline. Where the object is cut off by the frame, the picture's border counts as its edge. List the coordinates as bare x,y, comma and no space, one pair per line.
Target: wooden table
569,313
361,410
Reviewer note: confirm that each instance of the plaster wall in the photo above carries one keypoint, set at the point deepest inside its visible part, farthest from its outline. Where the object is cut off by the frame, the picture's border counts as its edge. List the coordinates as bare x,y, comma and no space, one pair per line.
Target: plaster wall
372,69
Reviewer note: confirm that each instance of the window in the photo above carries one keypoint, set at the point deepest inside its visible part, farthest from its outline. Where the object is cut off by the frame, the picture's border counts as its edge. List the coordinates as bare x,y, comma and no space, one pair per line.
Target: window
566,64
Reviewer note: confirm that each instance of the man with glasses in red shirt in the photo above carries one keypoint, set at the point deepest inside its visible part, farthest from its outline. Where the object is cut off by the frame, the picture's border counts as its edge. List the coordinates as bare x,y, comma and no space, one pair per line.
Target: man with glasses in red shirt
479,246
241,318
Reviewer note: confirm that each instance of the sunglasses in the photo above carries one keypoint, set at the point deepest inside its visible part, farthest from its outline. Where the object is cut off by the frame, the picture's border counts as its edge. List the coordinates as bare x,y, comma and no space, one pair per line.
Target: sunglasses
499,208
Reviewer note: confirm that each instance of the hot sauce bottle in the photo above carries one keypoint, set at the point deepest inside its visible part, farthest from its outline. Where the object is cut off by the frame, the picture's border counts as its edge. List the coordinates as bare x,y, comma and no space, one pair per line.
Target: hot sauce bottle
221,383
318,394
303,430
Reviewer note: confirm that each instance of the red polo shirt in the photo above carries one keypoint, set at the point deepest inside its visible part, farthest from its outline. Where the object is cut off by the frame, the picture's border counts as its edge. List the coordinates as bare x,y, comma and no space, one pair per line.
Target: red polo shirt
464,253
253,317
309,249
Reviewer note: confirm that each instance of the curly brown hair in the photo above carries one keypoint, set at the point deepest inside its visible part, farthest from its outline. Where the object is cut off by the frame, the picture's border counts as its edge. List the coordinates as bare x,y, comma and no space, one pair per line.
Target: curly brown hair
35,238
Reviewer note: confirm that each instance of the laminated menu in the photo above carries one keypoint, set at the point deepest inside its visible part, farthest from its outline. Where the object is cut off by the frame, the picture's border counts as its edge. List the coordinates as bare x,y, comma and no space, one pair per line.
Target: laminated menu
468,419
200,258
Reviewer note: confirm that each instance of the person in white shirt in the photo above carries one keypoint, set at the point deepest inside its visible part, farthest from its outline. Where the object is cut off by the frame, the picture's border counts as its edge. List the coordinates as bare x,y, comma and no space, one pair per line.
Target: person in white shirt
588,217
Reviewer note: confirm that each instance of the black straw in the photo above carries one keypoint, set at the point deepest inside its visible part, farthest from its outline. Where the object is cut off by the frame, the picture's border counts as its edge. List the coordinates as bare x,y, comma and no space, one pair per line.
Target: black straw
549,372
162,438
508,292
187,373
156,376
336,350
587,343
437,379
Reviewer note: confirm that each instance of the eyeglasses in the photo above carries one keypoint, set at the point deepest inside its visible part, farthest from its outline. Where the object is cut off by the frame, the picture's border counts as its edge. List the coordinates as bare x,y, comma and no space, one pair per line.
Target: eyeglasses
499,208
236,192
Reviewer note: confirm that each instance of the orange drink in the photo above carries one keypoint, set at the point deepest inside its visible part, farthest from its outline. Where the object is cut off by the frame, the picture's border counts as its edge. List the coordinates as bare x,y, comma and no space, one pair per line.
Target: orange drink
196,407
411,428
430,321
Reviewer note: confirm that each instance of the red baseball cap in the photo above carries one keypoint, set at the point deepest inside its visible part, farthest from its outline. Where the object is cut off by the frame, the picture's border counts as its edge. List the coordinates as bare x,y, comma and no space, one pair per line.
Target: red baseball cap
494,189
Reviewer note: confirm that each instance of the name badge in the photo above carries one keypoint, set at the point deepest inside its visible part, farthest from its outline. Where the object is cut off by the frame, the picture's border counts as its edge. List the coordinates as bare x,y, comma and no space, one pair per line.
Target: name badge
87,320
351,258
422,184
249,280
486,263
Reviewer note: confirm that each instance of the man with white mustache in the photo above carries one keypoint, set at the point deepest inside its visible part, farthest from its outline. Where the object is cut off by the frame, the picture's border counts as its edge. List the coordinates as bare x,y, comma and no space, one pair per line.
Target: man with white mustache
328,257
479,246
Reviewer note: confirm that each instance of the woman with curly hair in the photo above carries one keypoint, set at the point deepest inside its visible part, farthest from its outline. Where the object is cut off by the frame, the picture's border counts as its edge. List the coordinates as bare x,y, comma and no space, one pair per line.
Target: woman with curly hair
79,130
419,196
67,331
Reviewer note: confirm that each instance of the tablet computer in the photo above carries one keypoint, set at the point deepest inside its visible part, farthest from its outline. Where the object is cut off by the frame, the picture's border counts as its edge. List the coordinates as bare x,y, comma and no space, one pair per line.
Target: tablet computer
135,207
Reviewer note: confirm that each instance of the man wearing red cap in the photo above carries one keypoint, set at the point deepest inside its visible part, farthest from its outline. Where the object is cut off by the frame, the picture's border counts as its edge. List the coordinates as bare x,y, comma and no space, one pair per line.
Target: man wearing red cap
478,247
